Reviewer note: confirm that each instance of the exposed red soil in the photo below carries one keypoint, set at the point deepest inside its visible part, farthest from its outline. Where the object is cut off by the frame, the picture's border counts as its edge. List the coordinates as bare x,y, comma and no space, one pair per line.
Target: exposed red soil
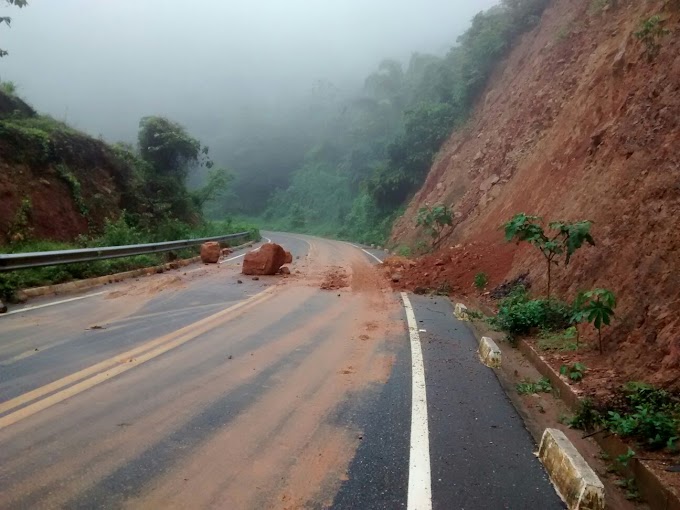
577,124
335,278
453,269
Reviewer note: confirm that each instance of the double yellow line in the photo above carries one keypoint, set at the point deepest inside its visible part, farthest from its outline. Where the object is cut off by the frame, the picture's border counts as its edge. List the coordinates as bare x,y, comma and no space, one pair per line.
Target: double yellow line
30,403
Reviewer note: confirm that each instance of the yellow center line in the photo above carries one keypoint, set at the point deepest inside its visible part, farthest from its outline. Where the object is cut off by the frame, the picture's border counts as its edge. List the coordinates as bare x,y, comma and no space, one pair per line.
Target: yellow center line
100,372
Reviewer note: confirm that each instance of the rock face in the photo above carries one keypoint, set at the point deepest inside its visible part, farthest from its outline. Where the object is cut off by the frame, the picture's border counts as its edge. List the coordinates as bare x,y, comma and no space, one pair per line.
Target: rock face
210,253
289,258
265,261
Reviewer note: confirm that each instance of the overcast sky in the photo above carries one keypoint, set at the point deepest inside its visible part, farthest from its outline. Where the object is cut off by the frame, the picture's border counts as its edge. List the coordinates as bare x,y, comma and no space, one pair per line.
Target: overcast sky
103,64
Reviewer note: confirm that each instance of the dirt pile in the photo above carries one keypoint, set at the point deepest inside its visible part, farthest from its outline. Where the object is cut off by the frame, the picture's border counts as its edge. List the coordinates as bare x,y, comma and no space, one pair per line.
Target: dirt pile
265,261
577,124
335,278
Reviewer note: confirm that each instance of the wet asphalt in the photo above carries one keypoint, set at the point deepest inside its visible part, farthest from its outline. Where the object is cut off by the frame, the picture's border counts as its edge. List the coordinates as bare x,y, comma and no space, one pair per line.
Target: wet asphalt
482,457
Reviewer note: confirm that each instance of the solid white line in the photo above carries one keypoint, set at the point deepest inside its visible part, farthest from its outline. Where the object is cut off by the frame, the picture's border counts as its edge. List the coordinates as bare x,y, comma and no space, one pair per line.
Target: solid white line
419,477
38,307
366,252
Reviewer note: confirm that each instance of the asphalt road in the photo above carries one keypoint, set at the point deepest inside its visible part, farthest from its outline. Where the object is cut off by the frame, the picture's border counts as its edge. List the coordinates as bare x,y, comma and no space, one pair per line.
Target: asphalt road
190,390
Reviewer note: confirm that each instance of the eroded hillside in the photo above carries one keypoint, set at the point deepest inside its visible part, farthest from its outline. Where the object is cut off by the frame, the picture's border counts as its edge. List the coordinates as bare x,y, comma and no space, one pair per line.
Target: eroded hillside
55,182
580,122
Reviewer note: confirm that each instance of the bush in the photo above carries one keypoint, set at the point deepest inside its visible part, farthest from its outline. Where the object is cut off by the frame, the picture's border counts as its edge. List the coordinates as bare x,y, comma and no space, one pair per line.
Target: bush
653,417
518,315
481,280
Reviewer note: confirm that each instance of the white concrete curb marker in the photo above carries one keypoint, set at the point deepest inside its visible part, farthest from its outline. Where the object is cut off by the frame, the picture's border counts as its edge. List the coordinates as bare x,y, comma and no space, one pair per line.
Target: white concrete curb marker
460,312
575,481
419,477
489,352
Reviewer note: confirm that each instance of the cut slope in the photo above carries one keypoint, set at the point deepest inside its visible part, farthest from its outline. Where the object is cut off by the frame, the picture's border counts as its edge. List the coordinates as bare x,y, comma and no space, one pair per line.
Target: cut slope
579,124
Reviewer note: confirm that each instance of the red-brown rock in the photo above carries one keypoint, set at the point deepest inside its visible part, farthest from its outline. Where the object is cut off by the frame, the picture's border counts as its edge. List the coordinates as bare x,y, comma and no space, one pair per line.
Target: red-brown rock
265,261
210,253
289,258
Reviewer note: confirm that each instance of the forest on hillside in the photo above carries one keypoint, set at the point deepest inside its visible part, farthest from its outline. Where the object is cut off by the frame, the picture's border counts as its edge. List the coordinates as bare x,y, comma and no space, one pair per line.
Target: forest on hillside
344,165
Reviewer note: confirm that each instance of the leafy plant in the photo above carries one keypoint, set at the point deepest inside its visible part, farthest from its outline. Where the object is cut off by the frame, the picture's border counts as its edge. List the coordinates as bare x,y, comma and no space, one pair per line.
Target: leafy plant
597,306
575,372
653,417
650,32
435,220
519,315
481,280
530,387
587,417
569,237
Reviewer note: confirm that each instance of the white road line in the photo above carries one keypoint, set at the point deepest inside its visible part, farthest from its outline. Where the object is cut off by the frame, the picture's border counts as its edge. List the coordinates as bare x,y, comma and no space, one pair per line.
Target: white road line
38,307
366,252
419,477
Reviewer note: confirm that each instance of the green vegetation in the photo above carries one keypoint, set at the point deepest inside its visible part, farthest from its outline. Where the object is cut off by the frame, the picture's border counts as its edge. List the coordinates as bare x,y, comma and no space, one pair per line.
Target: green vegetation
73,183
530,387
567,239
481,281
560,341
519,315
435,220
574,372
650,33
356,160
116,233
8,87
595,306
646,414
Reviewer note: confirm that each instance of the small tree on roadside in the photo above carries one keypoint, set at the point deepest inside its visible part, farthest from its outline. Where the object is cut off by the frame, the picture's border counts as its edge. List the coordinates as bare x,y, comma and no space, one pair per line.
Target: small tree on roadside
598,308
435,220
568,238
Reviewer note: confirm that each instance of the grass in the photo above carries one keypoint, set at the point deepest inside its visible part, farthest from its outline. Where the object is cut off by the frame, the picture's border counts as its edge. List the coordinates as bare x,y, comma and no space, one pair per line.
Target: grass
116,233
530,387
560,341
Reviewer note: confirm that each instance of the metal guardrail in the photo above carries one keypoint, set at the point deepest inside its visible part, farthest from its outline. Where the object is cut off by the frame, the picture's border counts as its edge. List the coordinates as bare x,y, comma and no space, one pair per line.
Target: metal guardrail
13,261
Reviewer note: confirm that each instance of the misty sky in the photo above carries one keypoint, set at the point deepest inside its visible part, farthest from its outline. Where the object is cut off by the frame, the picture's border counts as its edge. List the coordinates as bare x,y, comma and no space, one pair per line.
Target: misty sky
103,64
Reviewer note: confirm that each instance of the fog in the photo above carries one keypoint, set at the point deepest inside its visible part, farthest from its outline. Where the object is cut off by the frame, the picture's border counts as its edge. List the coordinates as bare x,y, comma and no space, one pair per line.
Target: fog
212,64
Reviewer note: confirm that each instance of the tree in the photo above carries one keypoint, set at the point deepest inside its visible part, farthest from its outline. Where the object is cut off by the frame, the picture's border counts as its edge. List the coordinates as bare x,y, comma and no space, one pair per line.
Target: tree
568,238
7,20
217,184
435,220
169,149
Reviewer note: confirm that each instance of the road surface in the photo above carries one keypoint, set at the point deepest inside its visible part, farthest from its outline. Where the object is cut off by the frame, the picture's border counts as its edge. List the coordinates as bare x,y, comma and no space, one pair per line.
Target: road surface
190,390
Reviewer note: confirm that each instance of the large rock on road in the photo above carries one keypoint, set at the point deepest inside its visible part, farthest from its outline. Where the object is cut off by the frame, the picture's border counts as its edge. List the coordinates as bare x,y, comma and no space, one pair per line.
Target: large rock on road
265,261
210,253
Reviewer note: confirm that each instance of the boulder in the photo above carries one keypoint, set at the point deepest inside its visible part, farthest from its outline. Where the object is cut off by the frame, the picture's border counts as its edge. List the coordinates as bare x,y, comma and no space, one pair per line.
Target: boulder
289,258
265,261
210,253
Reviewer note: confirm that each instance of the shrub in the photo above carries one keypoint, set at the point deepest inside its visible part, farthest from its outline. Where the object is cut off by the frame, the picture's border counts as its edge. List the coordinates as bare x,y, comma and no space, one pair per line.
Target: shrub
435,220
518,315
650,32
481,280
